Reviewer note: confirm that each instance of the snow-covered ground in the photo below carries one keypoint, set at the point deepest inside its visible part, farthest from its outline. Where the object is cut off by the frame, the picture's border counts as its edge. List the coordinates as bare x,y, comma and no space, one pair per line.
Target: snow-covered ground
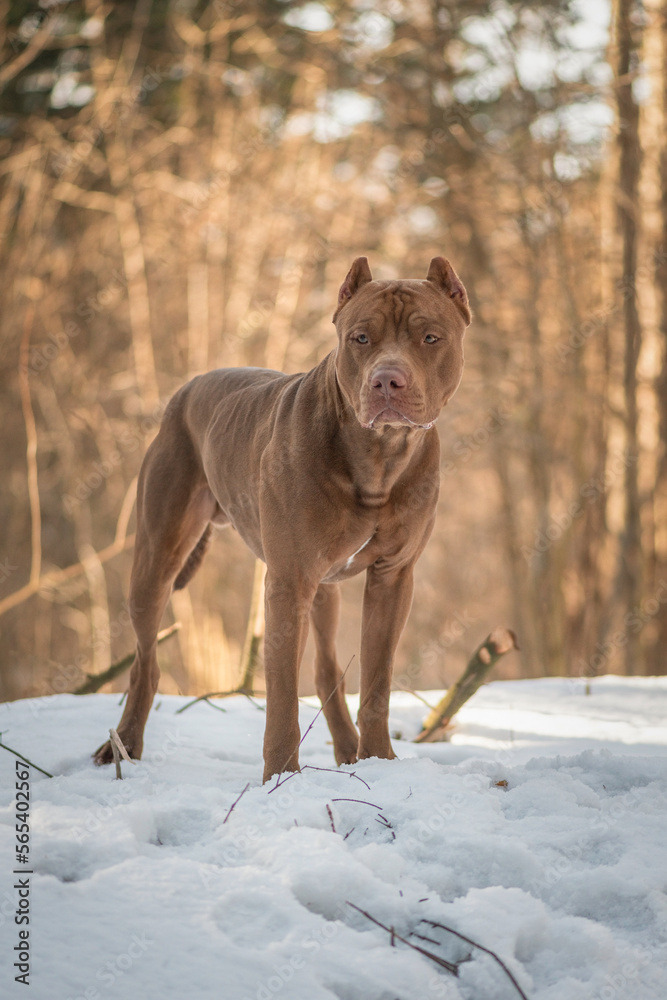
150,888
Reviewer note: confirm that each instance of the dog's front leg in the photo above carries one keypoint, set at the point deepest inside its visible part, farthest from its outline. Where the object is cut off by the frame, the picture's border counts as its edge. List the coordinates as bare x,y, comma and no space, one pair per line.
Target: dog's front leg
387,600
287,605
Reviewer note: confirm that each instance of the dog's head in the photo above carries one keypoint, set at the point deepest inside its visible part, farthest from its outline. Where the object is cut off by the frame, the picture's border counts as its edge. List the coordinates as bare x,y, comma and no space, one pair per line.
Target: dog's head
400,344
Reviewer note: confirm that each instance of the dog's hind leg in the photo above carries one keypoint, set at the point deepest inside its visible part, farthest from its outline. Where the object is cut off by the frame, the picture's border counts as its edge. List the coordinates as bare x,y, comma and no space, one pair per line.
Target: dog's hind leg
174,508
324,615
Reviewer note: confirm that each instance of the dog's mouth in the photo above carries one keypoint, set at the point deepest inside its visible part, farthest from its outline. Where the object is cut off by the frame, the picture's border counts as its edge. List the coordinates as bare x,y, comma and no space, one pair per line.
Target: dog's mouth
391,415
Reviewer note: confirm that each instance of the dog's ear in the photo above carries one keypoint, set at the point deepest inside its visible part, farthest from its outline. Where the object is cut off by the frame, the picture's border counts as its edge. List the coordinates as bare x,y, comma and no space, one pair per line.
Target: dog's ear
442,274
358,275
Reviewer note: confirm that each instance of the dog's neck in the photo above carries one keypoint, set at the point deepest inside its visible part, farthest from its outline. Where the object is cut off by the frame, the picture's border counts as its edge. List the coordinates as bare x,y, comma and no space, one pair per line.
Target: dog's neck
376,458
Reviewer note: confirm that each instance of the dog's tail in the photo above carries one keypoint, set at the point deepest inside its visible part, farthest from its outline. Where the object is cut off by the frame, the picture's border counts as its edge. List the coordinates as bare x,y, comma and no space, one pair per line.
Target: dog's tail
193,562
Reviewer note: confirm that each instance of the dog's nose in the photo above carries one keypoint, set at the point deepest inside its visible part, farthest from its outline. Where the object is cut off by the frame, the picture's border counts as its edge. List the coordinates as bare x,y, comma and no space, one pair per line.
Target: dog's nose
388,380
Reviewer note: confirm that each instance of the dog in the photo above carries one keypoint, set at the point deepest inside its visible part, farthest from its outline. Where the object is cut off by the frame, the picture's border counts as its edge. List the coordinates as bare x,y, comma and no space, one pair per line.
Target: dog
324,474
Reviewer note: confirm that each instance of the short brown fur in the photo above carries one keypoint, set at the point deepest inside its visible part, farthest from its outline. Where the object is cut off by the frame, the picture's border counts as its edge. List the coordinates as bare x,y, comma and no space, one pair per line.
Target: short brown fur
323,474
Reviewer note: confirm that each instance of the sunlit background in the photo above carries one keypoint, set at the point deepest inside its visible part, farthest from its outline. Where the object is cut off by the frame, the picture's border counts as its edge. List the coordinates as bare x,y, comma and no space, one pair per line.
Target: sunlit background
183,186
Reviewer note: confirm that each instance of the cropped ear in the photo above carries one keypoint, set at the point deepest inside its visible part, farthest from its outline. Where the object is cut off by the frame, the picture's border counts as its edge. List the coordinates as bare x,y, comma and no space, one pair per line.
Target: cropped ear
442,274
358,275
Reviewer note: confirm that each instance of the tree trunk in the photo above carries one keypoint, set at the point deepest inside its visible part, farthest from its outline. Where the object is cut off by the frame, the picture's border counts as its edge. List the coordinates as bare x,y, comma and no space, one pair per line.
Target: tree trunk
628,37
657,663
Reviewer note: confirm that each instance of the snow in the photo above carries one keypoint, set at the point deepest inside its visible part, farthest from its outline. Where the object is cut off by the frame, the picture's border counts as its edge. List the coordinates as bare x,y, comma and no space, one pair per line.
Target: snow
151,888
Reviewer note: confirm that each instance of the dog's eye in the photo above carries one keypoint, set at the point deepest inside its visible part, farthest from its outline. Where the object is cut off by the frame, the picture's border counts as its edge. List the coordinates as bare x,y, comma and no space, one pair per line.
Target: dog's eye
362,338
430,338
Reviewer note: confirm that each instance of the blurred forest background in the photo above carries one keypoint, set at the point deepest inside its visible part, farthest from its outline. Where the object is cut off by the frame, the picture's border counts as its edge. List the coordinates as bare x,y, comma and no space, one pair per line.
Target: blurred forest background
184,184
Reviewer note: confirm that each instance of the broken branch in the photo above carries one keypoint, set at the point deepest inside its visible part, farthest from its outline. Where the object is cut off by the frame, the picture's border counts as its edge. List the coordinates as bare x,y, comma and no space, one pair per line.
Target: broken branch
118,750
422,951
205,697
58,576
21,757
450,930
96,681
236,800
499,642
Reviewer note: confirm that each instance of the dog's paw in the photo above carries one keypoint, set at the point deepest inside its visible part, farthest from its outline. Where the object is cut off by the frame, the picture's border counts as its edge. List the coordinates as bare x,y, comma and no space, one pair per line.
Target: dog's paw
346,756
103,754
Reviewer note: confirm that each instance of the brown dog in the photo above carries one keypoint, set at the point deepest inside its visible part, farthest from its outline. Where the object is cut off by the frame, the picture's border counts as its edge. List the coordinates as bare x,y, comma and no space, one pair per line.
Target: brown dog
323,474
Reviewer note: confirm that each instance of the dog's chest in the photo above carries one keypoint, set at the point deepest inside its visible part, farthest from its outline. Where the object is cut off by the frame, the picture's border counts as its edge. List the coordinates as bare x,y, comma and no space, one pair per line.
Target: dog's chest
350,560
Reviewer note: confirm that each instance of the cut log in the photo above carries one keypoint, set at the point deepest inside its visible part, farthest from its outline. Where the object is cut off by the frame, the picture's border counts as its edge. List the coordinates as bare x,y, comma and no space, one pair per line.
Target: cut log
501,641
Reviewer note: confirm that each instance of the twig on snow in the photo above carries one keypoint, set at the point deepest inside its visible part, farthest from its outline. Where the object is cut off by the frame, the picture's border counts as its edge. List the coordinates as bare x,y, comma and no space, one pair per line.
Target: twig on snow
335,770
450,930
415,694
116,760
260,708
220,694
205,697
450,966
383,821
279,783
218,708
118,750
21,757
363,802
231,808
